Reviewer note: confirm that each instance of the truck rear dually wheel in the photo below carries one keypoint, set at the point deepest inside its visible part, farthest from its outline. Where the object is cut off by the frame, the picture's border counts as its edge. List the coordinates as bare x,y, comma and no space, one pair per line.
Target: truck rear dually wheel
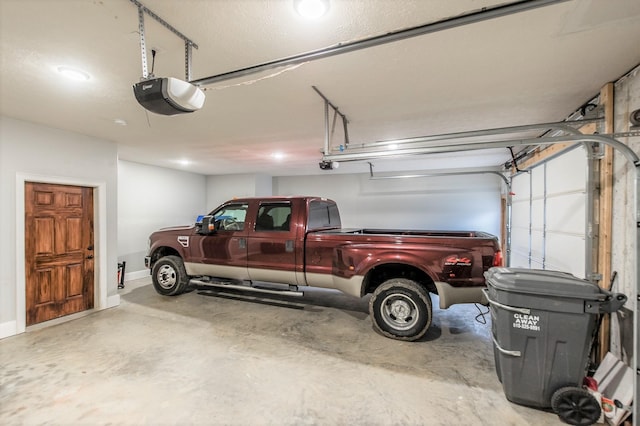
401,309
169,276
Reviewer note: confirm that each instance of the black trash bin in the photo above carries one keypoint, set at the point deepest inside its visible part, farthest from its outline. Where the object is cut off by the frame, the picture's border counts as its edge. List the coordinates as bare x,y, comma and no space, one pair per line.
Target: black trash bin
543,323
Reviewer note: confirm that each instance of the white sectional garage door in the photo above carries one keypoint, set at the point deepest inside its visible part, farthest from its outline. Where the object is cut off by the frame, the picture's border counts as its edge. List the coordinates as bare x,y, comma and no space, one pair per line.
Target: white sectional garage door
549,215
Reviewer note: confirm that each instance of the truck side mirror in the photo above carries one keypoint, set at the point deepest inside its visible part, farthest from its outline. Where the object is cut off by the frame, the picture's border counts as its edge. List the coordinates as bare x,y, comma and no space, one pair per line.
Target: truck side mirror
208,226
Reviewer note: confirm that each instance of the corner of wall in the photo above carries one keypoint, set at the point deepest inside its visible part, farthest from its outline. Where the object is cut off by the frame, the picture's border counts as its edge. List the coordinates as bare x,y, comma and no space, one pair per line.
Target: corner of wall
8,329
113,301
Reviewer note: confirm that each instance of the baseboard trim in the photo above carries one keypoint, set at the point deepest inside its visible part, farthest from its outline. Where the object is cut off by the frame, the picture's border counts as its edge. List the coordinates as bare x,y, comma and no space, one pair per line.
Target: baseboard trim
8,329
113,301
136,275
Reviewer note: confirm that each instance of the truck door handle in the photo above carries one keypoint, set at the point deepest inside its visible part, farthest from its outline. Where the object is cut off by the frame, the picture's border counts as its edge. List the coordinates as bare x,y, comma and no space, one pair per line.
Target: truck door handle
242,243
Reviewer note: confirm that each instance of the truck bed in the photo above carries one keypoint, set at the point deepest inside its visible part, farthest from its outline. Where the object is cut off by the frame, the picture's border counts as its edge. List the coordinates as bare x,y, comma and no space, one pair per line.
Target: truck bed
411,233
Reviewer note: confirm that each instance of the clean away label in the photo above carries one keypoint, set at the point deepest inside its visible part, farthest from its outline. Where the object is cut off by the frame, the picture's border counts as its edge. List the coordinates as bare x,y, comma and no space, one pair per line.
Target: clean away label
526,322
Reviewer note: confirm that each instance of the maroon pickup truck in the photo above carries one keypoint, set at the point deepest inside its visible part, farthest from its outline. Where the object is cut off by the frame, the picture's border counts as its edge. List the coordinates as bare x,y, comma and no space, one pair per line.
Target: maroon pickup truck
252,243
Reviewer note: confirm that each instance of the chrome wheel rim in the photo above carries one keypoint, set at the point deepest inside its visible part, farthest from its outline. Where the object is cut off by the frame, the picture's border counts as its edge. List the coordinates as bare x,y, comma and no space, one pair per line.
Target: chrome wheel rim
166,277
399,311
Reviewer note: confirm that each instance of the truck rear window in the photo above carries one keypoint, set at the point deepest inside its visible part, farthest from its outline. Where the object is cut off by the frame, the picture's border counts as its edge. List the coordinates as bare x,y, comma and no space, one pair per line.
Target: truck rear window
274,217
323,214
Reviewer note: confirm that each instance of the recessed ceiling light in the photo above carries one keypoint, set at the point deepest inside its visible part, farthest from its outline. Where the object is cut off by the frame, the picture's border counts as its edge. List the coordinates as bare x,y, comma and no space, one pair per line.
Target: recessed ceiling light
184,162
311,8
277,155
120,122
73,74
392,146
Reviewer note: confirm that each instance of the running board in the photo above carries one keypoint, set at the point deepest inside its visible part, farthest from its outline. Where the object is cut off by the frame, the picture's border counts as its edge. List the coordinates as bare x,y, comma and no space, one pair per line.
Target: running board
220,284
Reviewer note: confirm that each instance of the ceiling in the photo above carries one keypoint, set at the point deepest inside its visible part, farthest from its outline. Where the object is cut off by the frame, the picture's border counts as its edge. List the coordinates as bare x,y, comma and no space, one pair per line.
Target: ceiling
535,66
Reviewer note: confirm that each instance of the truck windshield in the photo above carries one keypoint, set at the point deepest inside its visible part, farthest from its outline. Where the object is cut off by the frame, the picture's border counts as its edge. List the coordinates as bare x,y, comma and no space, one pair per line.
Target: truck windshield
231,217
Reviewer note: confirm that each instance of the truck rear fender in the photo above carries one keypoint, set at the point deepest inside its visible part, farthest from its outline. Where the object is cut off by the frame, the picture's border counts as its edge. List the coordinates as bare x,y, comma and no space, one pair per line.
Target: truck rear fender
443,263
378,274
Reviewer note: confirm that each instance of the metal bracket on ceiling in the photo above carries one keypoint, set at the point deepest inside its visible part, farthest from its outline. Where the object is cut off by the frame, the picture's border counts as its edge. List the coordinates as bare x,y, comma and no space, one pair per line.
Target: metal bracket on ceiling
188,43
514,160
630,134
468,18
591,110
437,174
336,112
427,144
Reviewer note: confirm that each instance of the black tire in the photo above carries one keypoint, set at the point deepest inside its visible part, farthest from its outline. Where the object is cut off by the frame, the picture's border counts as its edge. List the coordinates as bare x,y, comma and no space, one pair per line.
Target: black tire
401,309
576,406
169,276
634,117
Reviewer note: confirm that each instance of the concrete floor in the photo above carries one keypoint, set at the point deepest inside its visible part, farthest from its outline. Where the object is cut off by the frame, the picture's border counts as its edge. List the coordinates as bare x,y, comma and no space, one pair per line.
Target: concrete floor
227,358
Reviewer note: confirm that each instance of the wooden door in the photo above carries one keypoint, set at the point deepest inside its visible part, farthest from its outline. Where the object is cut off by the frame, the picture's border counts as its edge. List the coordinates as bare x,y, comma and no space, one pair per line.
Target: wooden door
58,250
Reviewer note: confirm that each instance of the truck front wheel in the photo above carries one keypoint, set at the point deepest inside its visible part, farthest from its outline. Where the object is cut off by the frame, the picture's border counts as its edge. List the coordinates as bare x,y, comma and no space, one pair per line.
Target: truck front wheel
401,309
169,276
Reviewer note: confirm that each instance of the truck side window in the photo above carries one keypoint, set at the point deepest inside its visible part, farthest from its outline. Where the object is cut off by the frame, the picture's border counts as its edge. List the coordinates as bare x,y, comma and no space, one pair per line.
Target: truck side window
323,214
231,217
274,217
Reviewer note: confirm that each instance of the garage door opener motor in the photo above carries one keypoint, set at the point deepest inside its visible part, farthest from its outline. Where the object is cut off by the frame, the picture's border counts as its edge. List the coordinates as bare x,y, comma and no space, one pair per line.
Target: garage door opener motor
169,95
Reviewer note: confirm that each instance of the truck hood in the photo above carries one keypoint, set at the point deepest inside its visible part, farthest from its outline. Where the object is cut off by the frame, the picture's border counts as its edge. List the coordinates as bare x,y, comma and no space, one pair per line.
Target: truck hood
176,228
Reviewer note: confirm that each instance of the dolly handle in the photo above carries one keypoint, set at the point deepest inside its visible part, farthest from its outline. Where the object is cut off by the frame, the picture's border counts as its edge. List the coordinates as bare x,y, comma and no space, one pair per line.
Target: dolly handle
505,351
525,311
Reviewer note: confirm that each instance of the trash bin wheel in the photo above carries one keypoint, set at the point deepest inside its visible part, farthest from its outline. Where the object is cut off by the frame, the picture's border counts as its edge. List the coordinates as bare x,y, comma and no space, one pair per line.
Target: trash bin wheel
575,406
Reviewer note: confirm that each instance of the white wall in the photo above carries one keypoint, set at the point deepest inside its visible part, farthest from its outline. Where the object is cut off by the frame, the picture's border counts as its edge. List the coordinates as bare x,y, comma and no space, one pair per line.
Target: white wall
30,152
451,202
150,198
227,187
624,250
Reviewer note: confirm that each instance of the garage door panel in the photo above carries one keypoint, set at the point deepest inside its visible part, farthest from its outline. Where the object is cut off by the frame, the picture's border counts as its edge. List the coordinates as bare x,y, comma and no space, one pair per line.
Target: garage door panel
519,260
520,239
520,214
548,215
520,186
520,248
537,214
567,173
566,214
537,264
520,221
537,182
537,247
565,253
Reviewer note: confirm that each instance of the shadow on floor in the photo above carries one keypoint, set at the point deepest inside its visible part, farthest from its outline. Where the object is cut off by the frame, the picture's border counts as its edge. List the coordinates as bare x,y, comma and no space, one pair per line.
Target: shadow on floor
333,323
